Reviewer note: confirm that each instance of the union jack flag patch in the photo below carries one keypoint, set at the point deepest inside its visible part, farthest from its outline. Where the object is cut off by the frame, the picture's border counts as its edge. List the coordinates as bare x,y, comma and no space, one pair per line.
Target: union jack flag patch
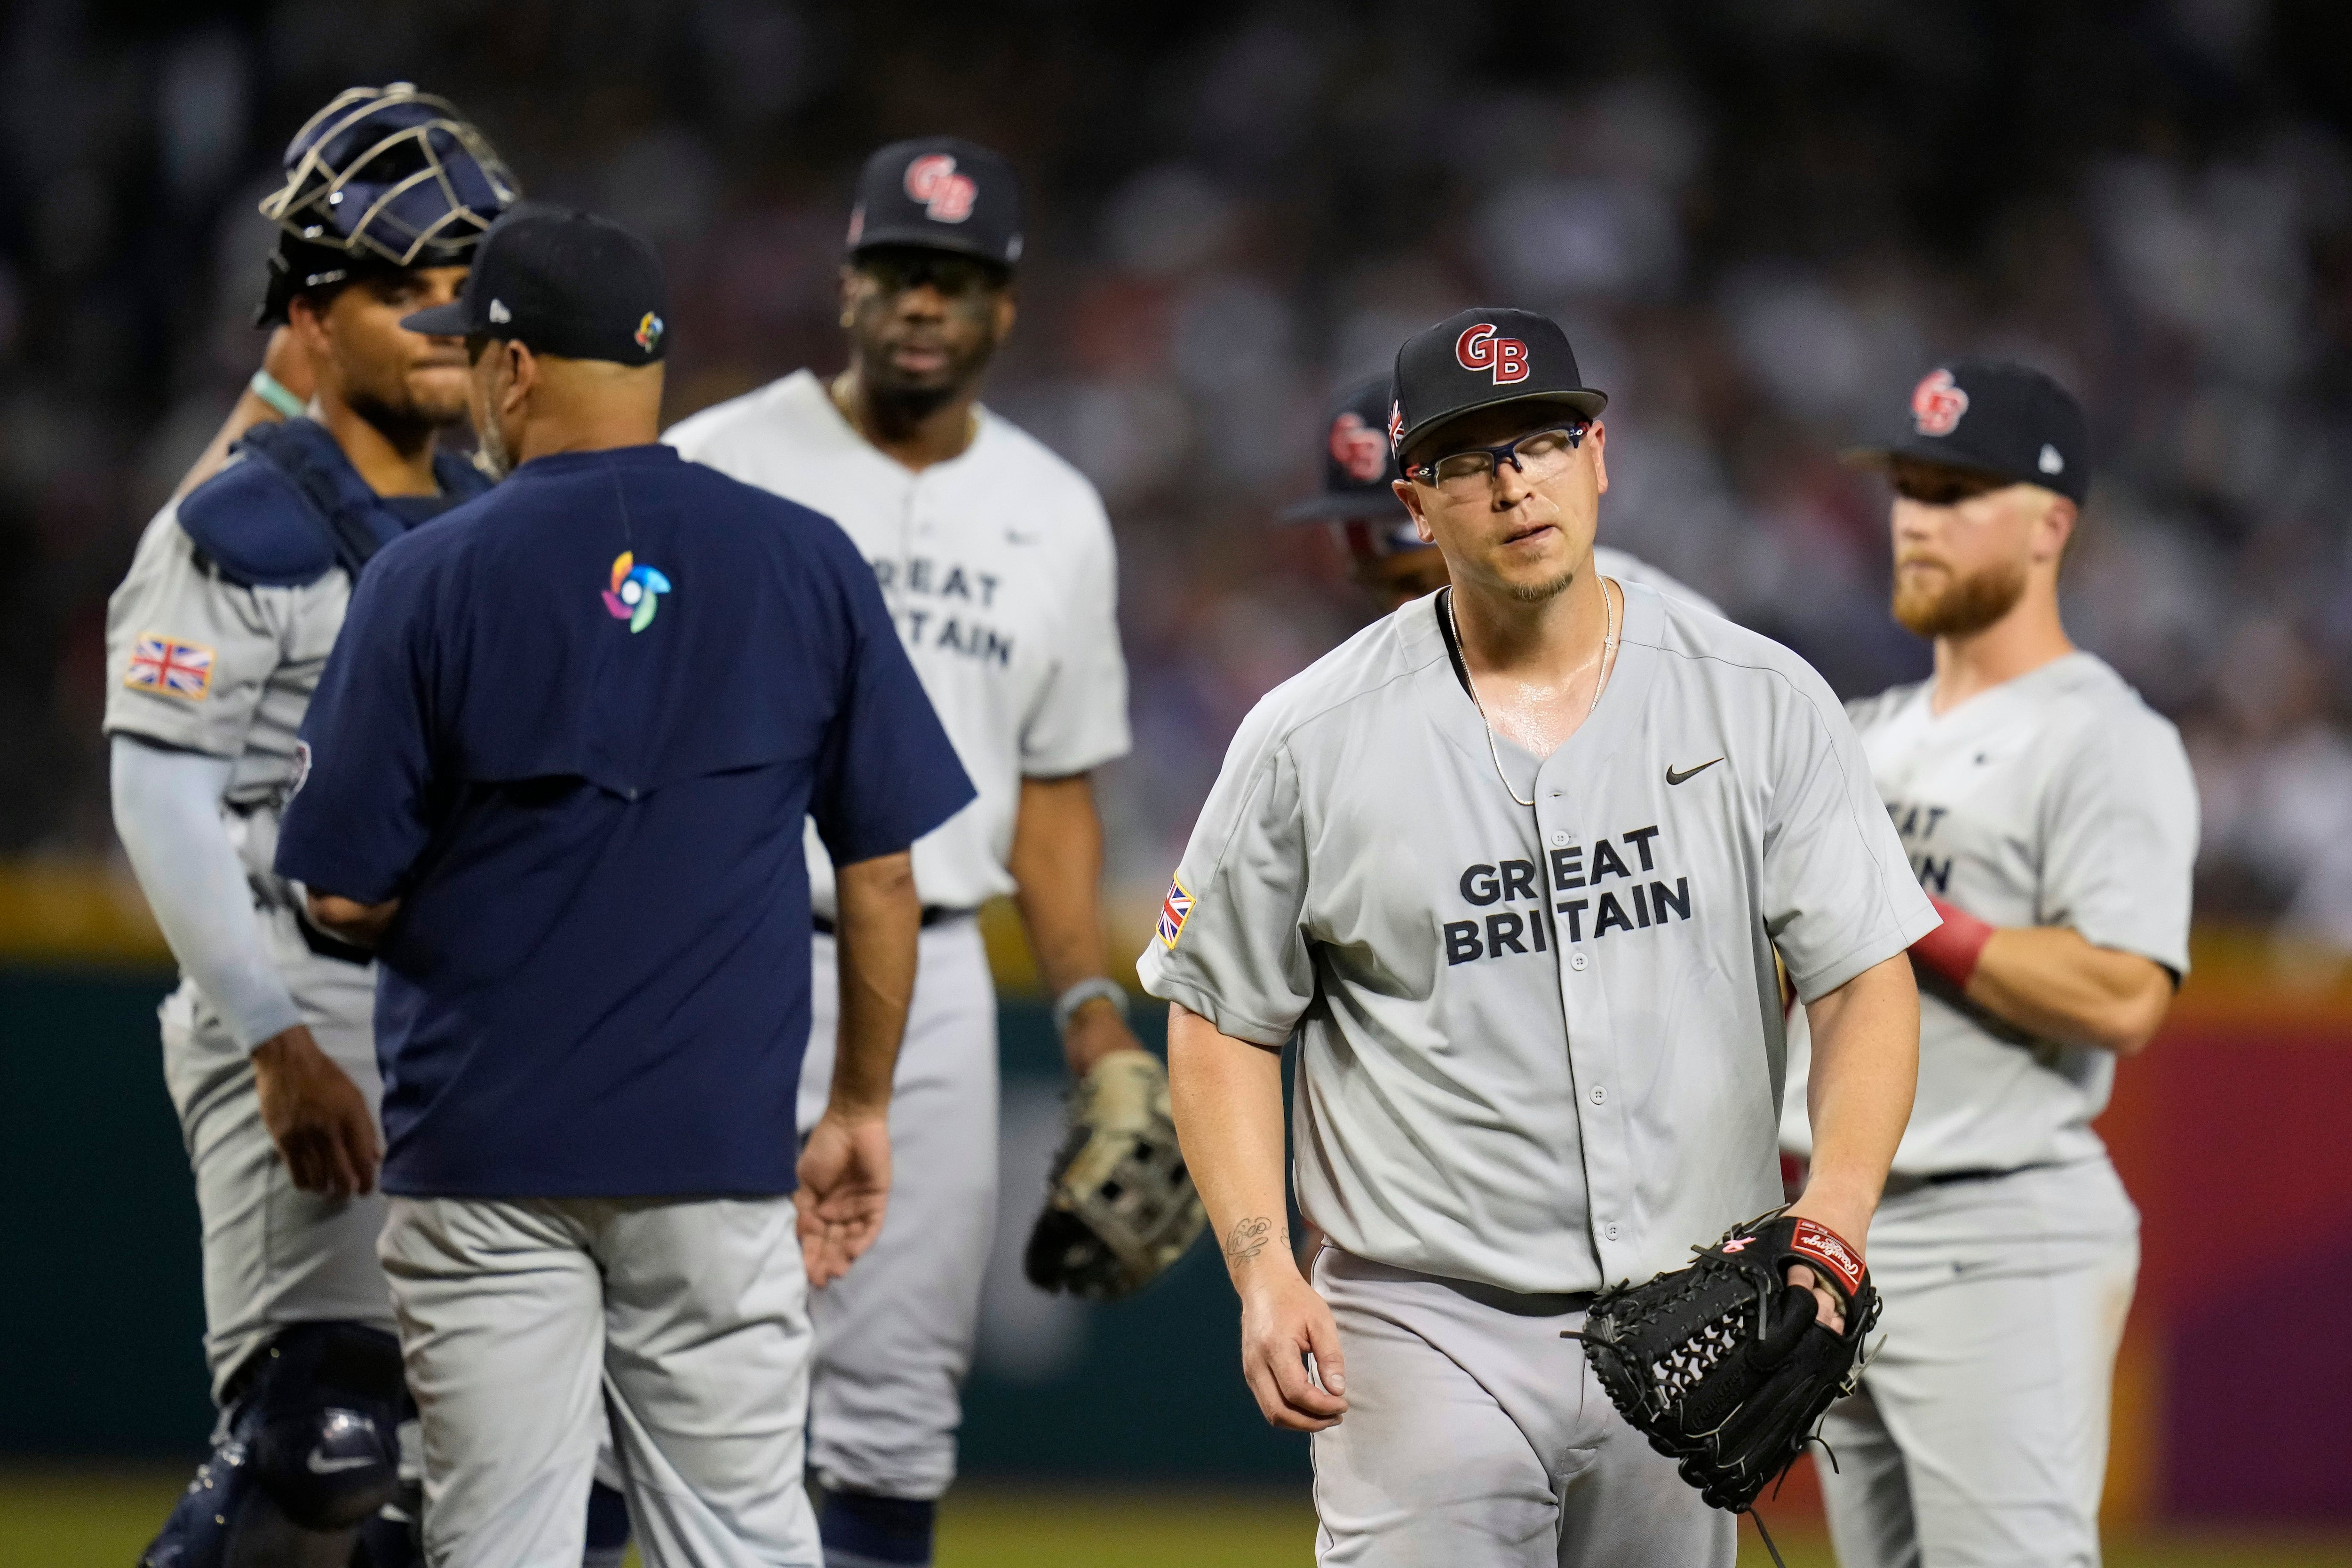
170,669
1173,909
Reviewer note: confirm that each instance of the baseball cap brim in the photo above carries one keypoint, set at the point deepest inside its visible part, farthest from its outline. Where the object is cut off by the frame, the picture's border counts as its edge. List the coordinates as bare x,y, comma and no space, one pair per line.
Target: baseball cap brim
1881,459
1584,400
1344,507
450,320
926,239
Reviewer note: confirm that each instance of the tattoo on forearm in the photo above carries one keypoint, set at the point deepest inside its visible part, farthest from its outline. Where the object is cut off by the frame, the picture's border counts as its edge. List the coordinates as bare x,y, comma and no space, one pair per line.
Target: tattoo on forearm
1251,1237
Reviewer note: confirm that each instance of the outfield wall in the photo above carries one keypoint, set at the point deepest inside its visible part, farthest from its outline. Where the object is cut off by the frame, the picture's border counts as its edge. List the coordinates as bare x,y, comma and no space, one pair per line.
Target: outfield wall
2229,1132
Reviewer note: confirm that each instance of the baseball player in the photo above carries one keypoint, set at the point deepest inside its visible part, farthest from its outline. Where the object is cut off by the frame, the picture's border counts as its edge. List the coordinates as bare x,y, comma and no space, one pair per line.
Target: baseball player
590,901
1511,866
2051,818
996,560
214,642
1389,554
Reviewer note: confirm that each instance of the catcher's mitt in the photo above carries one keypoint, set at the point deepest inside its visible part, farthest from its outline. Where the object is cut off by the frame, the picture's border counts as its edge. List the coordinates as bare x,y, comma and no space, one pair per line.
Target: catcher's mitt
1119,1206
1721,1365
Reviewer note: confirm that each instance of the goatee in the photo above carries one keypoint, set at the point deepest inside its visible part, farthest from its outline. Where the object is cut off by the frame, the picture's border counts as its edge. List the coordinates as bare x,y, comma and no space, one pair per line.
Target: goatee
1957,607
1538,592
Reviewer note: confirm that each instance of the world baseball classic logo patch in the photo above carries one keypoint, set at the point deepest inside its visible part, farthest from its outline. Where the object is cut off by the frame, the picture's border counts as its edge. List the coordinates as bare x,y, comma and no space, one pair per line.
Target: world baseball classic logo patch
170,669
1174,909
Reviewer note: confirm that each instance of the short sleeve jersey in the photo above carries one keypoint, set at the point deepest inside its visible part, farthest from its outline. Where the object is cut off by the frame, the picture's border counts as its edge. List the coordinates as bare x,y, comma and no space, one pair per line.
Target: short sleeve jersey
577,727
1001,577
201,663
1539,1049
2055,799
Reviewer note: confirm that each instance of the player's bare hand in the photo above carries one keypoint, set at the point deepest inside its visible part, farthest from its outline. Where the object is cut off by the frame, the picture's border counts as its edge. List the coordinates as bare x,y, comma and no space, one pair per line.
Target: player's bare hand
1097,1029
316,1116
1283,1321
845,1188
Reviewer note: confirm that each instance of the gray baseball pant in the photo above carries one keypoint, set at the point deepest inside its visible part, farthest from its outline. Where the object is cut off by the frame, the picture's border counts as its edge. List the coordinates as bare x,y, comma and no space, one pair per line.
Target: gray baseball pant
1476,1437
1978,1437
533,1328
273,1255
893,1337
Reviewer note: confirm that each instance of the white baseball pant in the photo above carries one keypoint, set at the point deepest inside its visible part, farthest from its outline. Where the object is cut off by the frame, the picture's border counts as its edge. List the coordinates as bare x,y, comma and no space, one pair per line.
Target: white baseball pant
1978,1437
532,1329
273,1255
894,1337
1477,1438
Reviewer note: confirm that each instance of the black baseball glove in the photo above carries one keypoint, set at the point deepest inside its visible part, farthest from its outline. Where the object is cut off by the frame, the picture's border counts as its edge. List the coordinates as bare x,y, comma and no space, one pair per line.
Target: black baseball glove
1120,1207
1721,1363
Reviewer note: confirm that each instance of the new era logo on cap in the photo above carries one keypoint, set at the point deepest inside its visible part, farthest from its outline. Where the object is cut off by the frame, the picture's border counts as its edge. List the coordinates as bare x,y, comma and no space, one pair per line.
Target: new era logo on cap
1479,348
2050,462
500,313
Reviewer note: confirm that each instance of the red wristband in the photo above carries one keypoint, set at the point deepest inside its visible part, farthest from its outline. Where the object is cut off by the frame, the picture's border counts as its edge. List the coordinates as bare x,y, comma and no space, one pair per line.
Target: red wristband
1952,948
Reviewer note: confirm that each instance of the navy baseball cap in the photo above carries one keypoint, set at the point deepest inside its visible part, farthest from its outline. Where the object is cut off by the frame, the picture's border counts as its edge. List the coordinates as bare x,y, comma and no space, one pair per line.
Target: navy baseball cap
2006,421
567,283
1478,359
941,192
1358,467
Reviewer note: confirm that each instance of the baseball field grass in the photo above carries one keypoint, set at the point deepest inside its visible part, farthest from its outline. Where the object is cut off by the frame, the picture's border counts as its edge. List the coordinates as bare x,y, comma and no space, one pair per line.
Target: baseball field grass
70,1517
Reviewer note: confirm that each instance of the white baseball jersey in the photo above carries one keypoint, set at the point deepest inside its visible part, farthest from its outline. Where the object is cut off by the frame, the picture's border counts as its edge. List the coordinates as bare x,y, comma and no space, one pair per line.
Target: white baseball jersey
999,567
1539,1049
2055,799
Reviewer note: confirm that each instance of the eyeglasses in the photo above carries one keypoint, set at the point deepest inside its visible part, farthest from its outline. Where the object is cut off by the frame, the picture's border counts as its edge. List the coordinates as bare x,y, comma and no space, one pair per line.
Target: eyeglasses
1536,457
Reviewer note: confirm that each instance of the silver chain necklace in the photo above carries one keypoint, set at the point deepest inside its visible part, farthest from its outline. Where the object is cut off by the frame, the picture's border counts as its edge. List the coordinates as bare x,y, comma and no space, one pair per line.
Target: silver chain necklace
1600,679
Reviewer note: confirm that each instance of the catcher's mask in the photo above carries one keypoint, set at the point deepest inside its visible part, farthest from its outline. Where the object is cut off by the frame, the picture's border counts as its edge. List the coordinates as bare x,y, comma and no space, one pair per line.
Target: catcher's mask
383,178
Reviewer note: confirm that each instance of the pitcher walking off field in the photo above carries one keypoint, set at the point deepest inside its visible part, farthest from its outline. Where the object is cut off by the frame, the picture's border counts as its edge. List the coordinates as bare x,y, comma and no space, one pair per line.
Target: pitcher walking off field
1511,866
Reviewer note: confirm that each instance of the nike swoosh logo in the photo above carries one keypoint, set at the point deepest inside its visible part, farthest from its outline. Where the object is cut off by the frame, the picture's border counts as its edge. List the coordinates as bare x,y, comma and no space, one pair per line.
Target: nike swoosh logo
1674,777
317,1464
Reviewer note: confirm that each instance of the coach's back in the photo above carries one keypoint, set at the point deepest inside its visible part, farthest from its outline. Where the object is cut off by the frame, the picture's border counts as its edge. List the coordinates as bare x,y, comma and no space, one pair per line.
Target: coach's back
612,688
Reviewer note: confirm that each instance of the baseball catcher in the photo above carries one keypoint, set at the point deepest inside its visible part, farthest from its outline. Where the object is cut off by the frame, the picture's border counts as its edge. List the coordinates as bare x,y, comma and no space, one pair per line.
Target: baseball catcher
1725,1366
1120,1207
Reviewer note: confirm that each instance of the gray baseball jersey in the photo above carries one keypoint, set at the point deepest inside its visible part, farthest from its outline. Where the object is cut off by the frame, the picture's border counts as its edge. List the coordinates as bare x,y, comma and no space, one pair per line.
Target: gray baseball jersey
2055,799
1539,1049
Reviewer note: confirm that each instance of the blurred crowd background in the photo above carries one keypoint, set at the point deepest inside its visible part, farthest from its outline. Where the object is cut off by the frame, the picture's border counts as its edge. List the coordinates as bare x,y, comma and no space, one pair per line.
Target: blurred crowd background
1760,221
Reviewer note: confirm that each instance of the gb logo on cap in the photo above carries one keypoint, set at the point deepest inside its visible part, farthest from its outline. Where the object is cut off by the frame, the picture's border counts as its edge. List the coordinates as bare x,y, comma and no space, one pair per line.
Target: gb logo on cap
1479,350
947,196
1937,403
1356,448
